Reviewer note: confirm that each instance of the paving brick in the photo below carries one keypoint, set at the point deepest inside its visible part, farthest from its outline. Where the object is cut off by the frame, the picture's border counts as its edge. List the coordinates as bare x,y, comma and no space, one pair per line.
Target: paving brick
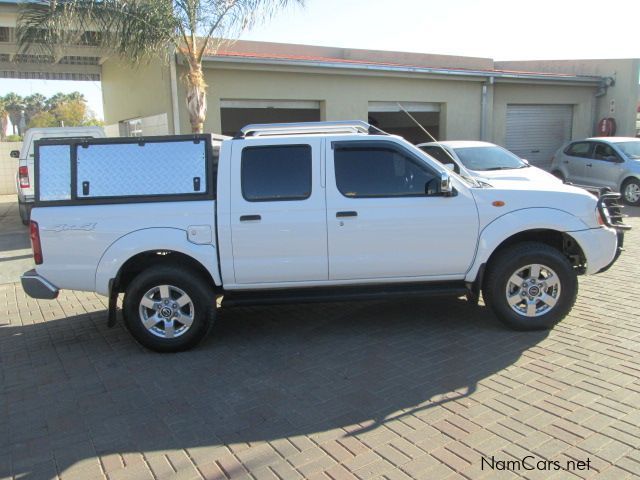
415,389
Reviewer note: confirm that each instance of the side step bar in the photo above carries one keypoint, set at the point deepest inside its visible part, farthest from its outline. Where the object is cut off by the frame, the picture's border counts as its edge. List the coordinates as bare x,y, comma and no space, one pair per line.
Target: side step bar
344,293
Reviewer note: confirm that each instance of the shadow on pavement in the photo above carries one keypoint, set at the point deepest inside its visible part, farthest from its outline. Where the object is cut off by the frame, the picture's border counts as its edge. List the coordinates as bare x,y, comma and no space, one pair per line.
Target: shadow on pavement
73,389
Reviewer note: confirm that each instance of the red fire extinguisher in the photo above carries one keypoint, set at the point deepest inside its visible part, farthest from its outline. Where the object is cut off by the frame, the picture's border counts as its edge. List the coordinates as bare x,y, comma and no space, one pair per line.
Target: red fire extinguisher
607,127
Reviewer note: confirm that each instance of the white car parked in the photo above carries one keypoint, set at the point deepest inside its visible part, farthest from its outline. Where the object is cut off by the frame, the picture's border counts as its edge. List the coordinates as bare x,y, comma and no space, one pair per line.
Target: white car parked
24,177
484,160
301,213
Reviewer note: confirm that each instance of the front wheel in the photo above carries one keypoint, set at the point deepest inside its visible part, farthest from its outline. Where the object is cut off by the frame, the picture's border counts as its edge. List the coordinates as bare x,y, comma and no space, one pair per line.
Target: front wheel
530,286
167,309
631,192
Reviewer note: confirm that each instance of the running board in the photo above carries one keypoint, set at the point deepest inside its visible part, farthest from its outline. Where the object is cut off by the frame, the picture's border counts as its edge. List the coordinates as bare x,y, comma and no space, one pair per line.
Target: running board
343,293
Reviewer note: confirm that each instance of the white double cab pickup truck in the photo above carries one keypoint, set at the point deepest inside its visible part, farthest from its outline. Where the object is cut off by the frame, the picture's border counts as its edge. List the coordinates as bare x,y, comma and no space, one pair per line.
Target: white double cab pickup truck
309,212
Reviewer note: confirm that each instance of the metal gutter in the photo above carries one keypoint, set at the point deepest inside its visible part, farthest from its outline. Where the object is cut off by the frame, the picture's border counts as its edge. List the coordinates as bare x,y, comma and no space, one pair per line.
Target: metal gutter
483,74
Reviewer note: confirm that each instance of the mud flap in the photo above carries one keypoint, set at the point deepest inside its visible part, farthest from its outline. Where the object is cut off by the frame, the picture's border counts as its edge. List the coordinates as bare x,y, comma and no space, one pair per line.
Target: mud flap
113,304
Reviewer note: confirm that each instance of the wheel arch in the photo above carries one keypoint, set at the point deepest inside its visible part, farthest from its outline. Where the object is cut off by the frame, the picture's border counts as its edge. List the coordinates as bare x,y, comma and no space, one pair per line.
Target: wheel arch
151,258
627,177
548,226
561,241
137,250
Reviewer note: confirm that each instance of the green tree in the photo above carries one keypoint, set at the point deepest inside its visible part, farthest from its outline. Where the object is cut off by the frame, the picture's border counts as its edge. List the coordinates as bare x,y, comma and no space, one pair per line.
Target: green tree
71,113
14,106
33,104
4,119
43,119
140,30
52,102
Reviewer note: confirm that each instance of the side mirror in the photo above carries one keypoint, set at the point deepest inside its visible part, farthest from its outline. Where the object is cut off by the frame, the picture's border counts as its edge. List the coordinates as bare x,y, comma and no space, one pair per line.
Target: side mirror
611,158
450,166
15,154
526,162
439,186
445,184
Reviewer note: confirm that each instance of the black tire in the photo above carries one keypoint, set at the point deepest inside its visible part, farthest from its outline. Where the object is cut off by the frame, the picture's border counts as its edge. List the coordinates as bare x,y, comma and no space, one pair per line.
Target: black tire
25,213
558,174
623,191
516,258
202,298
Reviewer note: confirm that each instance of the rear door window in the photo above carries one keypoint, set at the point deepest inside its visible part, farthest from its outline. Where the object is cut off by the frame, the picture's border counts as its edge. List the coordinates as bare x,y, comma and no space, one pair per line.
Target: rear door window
579,149
276,173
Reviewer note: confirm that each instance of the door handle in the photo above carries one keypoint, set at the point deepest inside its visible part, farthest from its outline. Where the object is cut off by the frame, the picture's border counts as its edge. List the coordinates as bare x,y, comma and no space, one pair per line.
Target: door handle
565,161
346,214
589,165
250,218
535,151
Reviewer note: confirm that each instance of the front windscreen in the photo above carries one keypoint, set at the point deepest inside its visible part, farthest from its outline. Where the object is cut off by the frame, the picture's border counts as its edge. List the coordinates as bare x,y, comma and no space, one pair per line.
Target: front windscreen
488,158
630,149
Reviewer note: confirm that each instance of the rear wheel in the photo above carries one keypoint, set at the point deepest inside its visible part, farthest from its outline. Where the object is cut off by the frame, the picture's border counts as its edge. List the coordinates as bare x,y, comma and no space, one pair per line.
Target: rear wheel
167,309
530,286
631,192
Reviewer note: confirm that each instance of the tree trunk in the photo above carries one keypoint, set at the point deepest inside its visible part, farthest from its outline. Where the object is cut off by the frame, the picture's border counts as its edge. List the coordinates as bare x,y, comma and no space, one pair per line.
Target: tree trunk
196,96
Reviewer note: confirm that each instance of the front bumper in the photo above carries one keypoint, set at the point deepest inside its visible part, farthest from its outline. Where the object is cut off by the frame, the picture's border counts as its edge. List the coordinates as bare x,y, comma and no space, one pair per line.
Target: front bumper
619,250
600,247
38,287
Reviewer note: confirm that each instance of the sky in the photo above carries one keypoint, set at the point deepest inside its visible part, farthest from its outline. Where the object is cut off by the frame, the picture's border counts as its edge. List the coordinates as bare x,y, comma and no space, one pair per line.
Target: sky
498,29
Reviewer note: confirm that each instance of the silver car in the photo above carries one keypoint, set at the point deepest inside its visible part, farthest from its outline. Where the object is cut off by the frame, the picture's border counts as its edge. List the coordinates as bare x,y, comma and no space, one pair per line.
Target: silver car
612,162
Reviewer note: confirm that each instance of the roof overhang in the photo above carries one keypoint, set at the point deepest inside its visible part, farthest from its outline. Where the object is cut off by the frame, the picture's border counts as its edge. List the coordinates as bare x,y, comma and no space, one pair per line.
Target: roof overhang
349,66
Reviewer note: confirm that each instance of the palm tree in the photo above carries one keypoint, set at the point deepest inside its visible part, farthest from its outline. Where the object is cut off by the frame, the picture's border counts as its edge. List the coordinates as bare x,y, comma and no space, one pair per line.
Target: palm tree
140,30
14,106
53,101
33,104
4,119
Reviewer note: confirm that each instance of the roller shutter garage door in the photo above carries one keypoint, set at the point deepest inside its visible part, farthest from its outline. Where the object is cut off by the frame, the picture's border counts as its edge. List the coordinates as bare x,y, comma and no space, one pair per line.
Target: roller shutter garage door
235,114
536,132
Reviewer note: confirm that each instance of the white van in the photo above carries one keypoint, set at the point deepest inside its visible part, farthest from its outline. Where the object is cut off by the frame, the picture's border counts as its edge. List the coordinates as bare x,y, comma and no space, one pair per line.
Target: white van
24,177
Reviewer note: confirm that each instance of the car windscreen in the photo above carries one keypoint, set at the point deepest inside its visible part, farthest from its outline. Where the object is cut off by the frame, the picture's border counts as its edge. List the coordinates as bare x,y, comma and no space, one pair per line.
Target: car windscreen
488,158
630,149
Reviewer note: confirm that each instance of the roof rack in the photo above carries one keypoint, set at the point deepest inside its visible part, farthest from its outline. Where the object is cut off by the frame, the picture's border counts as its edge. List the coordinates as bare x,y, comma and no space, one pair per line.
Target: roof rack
274,129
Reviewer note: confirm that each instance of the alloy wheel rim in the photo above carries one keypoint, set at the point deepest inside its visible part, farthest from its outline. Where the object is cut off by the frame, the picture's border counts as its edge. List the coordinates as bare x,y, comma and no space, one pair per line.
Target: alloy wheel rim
533,290
166,311
632,192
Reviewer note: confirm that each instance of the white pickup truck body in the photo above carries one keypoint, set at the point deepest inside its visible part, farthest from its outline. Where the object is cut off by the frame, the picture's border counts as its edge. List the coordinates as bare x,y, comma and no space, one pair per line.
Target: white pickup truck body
311,212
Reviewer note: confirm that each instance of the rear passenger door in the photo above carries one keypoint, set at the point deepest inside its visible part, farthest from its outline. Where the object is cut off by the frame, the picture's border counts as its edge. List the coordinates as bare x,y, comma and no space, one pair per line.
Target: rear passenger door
576,157
278,217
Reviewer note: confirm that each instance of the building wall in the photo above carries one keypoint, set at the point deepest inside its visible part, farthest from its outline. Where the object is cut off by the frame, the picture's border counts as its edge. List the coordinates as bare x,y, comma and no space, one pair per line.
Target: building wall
624,93
134,92
146,91
582,99
8,167
344,96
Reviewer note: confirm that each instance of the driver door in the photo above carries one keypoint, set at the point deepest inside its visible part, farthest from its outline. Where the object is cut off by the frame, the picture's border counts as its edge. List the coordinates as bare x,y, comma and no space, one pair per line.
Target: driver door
382,224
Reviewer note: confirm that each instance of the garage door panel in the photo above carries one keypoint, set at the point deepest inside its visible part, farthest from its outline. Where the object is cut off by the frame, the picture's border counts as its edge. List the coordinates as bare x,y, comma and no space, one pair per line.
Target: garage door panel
235,114
535,132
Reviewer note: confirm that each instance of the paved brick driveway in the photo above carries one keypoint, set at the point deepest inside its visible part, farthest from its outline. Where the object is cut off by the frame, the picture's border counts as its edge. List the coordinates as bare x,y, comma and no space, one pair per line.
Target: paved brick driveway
420,389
